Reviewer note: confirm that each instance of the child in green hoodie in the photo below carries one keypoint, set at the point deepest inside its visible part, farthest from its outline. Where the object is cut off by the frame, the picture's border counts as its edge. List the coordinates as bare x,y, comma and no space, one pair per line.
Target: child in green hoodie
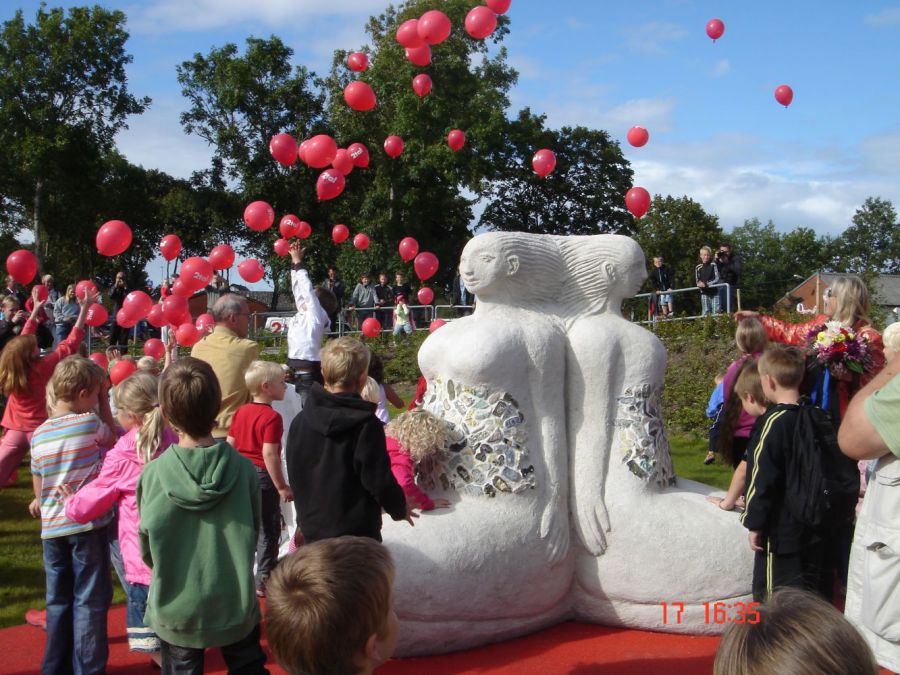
199,509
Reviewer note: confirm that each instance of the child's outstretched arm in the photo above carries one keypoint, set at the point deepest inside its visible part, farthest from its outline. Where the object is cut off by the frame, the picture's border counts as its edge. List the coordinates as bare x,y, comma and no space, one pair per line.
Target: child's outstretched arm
735,488
392,396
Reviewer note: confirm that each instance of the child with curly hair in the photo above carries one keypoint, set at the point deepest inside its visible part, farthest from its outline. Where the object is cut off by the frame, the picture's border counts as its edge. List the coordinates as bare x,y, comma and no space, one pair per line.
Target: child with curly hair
413,437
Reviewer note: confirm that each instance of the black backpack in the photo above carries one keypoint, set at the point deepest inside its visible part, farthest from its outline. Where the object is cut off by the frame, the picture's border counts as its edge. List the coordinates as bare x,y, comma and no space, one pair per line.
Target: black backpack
822,484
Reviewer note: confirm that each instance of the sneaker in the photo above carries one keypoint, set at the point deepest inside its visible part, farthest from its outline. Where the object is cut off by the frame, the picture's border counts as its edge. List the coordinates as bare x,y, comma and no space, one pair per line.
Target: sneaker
710,458
36,618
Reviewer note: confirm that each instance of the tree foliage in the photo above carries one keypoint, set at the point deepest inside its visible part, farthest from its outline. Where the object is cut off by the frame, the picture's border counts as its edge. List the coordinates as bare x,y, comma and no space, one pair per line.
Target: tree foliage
63,97
871,243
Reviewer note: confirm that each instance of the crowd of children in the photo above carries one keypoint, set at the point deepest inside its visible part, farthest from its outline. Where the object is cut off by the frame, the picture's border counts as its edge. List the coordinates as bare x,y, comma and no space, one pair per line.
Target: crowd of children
199,520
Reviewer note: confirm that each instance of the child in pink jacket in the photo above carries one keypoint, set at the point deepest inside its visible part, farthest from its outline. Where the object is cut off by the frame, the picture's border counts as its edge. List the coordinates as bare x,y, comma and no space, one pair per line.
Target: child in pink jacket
411,438
145,438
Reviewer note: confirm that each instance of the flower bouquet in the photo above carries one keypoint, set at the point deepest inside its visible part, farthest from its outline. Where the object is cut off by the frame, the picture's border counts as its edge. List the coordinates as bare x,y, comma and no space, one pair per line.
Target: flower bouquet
839,349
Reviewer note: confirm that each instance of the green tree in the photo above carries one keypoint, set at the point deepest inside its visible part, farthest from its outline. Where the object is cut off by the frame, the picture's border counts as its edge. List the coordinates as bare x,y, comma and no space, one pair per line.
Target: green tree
585,194
676,228
429,191
237,102
63,97
872,243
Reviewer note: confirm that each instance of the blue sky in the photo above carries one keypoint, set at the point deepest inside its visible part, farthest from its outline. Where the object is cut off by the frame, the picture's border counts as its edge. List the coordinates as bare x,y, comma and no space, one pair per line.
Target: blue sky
716,132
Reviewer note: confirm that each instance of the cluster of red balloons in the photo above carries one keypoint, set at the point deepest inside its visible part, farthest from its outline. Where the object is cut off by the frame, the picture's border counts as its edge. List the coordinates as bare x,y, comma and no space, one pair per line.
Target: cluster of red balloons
322,151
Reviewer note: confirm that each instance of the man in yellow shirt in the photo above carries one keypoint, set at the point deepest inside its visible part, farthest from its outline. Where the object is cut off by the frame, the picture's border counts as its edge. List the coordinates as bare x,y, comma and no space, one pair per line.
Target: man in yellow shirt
229,353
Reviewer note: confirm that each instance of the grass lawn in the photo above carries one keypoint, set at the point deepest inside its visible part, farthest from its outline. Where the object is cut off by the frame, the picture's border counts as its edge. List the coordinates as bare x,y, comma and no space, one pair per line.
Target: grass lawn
22,585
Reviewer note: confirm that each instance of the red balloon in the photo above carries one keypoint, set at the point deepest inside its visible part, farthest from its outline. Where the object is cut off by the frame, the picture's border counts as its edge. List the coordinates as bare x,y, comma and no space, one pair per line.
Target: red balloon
205,323
196,273
301,151
282,246
434,27
289,225
408,248
358,96
638,136
330,184
155,348
419,56
170,246
137,304
124,319
425,296
187,334
113,238
437,323
784,95
393,146
371,327
155,316
425,264
715,28
121,371
221,257
361,241
21,265
498,6
543,162
100,359
408,34
456,139
359,154
181,289
637,199
84,287
175,310
96,315
320,150
283,149
480,22
357,61
259,216
342,162
42,291
421,84
303,229
251,270
339,233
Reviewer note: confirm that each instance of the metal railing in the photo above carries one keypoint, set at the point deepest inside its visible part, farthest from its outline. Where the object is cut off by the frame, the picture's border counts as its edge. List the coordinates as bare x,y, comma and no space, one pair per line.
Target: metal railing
653,317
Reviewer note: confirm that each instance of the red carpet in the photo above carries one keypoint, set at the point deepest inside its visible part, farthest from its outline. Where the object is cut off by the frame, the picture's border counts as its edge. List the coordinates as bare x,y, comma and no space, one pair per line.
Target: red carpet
570,648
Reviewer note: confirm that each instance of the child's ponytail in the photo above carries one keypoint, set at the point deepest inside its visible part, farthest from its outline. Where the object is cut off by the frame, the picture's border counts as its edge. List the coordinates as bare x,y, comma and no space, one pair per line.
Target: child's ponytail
139,395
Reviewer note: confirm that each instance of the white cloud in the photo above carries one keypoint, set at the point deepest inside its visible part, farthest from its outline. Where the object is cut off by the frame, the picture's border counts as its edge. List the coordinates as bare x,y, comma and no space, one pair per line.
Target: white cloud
881,154
155,140
722,68
887,17
169,16
653,114
652,38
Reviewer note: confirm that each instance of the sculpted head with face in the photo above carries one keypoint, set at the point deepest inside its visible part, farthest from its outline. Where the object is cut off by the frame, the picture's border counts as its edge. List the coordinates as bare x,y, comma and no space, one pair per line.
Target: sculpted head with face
511,267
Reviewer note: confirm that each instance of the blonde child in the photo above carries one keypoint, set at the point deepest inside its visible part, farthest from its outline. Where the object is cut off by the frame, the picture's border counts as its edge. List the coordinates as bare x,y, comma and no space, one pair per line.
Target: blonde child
67,451
146,436
748,390
255,432
402,317
149,365
413,437
891,339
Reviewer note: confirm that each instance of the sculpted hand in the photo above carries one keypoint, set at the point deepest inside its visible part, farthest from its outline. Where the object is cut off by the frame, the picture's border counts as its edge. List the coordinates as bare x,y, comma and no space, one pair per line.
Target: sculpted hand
591,523
555,529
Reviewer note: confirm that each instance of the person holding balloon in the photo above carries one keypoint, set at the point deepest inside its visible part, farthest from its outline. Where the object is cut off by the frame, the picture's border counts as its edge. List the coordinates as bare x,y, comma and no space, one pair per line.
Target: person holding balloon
402,318
307,327
24,375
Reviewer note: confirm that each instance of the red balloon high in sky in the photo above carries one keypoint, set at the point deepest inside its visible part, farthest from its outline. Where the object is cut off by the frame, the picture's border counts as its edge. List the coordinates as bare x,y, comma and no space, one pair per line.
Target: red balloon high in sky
408,34
456,139
638,136
339,233
357,61
113,238
434,27
421,84
330,184
784,95
359,154
637,199
259,216
358,96
715,29
283,149
419,56
480,22
408,248
361,241
319,151
393,146
221,257
425,265
543,162
170,246
498,6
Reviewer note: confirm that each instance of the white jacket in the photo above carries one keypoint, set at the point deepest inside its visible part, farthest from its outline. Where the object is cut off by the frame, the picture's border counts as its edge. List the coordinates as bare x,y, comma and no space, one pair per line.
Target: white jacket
308,325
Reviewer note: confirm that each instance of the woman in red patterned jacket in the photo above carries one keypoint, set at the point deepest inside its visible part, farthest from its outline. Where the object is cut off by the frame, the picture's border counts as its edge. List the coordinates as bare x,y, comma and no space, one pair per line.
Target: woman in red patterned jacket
845,301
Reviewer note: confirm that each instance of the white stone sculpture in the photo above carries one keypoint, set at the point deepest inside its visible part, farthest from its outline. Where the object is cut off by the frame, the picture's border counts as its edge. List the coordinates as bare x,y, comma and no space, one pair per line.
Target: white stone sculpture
552,398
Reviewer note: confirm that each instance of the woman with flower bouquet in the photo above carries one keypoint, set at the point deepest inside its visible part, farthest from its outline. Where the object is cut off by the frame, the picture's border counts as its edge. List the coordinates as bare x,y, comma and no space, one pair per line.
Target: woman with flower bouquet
845,352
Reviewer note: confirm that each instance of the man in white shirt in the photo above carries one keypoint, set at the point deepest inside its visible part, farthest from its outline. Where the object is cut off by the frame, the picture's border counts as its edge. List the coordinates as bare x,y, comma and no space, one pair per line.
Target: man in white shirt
307,327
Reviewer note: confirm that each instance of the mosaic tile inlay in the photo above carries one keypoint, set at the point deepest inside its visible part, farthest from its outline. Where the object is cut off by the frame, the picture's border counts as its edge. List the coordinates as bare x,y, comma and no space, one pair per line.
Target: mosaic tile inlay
641,435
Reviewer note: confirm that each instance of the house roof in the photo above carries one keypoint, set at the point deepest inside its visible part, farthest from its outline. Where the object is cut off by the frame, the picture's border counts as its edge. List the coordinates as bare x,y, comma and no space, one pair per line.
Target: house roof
885,287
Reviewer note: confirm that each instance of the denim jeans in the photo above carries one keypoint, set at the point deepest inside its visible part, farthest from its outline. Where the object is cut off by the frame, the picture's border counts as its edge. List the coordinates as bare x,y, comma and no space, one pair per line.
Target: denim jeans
244,656
140,637
709,304
270,530
79,591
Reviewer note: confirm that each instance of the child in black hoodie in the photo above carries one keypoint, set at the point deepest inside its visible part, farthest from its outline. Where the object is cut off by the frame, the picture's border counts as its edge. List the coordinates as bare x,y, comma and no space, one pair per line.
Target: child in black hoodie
337,461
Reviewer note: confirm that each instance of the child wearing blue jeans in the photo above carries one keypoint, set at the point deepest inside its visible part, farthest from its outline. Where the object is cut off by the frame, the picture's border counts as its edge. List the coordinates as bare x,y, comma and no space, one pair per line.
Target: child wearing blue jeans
67,451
